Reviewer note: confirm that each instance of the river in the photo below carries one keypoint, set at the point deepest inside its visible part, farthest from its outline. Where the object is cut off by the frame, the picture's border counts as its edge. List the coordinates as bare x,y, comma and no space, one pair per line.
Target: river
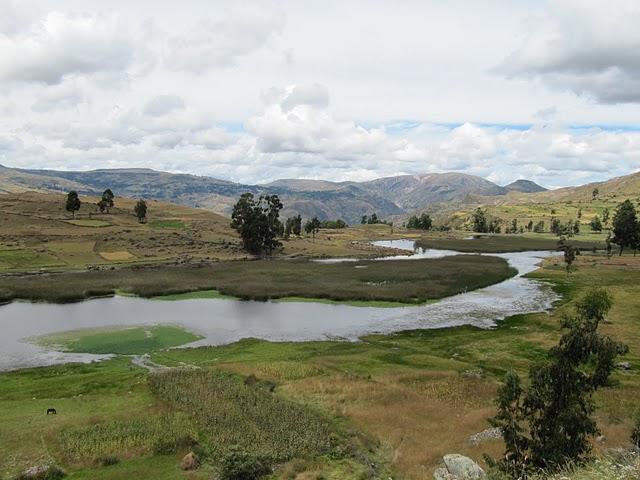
222,321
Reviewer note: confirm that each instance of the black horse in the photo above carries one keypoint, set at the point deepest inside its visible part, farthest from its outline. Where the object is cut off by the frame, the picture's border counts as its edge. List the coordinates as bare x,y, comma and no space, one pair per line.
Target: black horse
51,411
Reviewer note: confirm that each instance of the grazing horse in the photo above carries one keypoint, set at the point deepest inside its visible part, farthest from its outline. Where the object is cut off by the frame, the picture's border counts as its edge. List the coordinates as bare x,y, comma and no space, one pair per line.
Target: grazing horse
51,411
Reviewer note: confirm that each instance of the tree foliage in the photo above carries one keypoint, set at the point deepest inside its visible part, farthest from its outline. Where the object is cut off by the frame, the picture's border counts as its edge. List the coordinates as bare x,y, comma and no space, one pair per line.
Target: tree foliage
626,230
422,222
73,203
257,222
106,202
549,423
312,226
596,224
140,210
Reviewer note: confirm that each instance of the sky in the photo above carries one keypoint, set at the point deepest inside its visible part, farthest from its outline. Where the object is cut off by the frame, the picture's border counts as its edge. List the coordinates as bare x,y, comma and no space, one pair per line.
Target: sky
256,91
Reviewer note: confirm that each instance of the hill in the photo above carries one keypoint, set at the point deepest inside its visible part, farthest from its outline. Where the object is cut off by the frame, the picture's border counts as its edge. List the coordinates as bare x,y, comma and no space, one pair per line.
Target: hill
525,186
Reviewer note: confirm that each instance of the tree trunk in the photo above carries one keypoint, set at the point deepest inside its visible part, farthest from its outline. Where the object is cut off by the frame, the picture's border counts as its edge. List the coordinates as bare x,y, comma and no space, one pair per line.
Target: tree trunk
620,254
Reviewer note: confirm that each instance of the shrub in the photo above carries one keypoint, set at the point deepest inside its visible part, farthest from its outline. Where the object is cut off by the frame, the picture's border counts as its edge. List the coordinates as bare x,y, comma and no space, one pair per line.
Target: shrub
635,434
241,465
107,460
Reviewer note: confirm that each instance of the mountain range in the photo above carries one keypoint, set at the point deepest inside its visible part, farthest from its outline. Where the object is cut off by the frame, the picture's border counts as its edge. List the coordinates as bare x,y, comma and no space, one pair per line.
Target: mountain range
389,197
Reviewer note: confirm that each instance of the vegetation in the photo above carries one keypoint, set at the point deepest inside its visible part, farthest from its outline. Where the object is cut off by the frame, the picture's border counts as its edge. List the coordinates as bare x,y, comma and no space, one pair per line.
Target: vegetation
123,340
140,210
394,280
626,228
293,226
106,201
73,203
257,222
333,224
423,222
312,226
549,424
596,224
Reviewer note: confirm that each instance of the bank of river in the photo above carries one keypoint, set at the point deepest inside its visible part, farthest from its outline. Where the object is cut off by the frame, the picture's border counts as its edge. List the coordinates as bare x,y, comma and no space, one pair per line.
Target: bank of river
221,321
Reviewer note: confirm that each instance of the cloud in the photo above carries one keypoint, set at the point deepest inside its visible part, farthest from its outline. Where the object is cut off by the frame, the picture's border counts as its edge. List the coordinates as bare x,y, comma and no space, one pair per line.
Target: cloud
60,44
591,47
220,43
163,104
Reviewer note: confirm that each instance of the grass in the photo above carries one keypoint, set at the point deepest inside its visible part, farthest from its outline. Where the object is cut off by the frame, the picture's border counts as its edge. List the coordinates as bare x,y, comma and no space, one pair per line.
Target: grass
87,222
500,243
17,259
417,395
123,340
169,223
196,295
414,281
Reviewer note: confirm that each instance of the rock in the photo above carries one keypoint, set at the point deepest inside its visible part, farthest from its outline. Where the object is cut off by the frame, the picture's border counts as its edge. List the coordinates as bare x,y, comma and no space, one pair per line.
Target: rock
459,467
485,435
190,462
624,366
42,472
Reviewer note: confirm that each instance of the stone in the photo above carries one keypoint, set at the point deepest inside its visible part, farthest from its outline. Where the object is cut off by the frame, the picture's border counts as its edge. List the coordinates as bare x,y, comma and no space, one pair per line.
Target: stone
190,462
624,366
485,435
459,467
41,472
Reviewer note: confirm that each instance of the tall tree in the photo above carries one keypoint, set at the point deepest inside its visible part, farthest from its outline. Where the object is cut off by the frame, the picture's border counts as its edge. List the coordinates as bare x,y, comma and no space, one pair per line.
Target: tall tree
595,193
596,224
550,423
106,202
297,225
140,210
73,203
312,226
479,219
257,222
625,226
605,217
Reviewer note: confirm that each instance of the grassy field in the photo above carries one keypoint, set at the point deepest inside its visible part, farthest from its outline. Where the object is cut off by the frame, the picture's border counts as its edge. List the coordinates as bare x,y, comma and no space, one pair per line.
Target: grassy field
118,340
399,401
475,243
415,281
37,233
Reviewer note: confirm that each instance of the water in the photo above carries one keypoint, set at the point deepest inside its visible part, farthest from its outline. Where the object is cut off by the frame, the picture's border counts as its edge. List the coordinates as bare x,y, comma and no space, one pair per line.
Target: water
222,321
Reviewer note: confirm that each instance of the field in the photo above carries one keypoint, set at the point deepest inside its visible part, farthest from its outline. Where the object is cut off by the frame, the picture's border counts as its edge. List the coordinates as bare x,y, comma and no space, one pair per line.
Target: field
123,340
415,281
474,243
37,234
398,401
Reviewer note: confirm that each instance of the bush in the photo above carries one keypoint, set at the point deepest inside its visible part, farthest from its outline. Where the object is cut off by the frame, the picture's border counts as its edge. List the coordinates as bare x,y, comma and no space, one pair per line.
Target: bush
240,465
635,434
107,460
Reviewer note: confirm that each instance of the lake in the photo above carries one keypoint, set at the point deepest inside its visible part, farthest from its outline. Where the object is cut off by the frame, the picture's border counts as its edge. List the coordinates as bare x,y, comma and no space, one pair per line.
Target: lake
222,321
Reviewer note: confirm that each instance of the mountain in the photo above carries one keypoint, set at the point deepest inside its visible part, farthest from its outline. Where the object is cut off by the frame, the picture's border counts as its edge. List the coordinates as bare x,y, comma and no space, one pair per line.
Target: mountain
525,186
390,197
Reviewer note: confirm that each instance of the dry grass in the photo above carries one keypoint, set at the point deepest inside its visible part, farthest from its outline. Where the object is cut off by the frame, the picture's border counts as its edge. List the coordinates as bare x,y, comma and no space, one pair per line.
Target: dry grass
118,256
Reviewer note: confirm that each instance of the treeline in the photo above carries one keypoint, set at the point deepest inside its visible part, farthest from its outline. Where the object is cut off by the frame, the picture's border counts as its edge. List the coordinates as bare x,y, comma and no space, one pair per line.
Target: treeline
625,225
105,204
373,220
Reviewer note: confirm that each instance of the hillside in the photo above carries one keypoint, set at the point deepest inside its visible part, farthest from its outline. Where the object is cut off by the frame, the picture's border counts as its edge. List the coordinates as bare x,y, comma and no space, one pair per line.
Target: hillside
387,197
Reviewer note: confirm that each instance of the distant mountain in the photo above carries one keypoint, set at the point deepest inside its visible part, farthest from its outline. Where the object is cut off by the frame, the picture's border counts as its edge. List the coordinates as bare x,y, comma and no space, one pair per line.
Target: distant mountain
391,197
525,186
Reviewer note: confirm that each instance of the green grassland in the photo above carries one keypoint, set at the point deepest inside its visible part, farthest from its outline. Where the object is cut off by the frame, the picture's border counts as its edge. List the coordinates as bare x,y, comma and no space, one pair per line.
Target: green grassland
119,340
415,281
476,243
398,401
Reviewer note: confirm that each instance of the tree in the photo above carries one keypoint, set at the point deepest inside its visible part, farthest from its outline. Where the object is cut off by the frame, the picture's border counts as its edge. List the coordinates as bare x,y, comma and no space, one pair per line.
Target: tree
596,224
140,210
555,226
423,222
297,225
569,253
479,219
373,219
364,219
530,226
576,227
73,203
312,226
106,202
539,227
257,222
548,424
595,193
625,226
605,217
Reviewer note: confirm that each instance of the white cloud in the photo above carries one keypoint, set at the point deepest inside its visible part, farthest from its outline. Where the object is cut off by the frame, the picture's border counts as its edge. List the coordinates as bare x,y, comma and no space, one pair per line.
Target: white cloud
221,42
591,47
60,44
163,105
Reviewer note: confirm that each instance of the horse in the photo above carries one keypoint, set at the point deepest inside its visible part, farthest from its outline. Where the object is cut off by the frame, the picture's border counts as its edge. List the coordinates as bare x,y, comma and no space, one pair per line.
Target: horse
51,411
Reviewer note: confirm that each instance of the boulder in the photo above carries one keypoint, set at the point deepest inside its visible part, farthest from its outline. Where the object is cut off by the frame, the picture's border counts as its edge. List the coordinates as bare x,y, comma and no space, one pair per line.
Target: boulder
624,366
459,467
190,462
42,472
